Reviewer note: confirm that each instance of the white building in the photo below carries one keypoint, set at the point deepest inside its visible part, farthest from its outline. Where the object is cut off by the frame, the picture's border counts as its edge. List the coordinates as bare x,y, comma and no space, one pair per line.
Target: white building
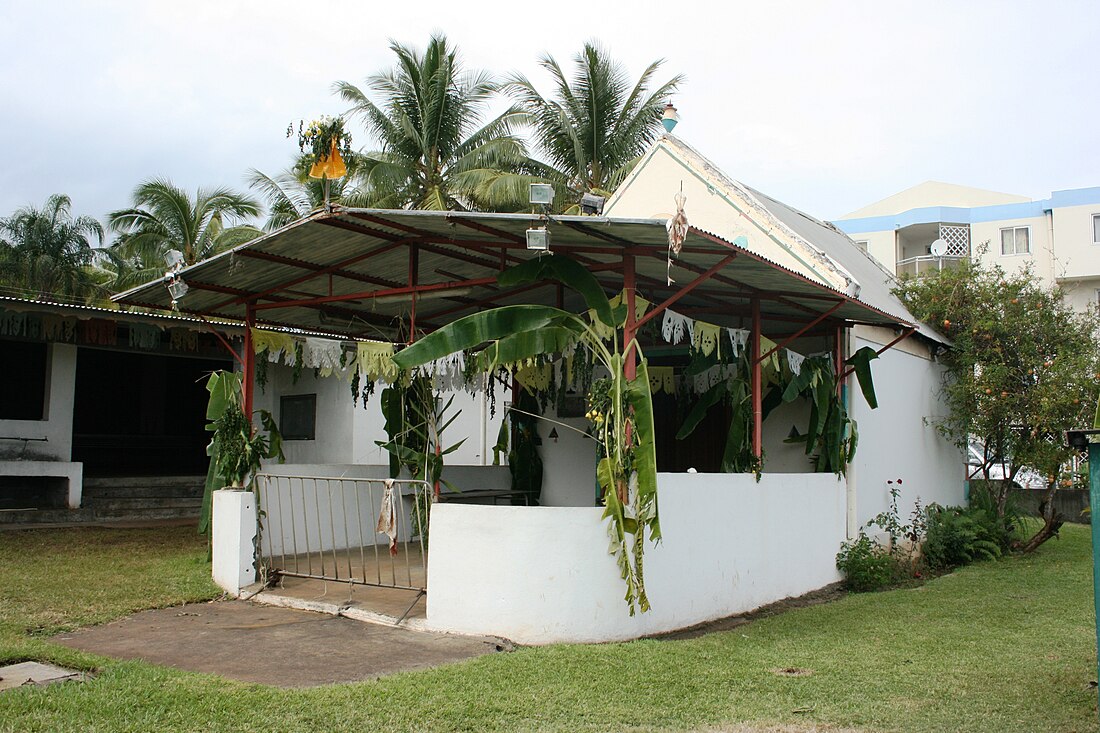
1058,237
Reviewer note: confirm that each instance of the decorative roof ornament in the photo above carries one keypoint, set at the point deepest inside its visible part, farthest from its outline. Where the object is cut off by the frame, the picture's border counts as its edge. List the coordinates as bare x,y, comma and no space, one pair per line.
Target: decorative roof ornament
677,228
670,118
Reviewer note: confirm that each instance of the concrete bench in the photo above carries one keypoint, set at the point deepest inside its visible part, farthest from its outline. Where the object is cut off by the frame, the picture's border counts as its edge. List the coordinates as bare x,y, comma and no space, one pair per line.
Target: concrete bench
72,472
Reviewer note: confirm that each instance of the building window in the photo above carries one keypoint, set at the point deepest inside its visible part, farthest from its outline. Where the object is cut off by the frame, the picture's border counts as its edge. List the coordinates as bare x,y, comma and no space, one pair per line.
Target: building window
1016,241
23,371
862,244
298,417
1096,228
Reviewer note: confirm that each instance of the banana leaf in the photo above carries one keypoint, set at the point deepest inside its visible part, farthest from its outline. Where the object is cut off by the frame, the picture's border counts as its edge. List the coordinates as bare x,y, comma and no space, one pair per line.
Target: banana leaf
568,272
525,345
479,328
861,362
640,399
699,410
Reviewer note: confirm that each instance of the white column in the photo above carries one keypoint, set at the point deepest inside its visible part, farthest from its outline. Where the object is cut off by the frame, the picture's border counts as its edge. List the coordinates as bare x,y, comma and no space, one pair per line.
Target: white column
234,534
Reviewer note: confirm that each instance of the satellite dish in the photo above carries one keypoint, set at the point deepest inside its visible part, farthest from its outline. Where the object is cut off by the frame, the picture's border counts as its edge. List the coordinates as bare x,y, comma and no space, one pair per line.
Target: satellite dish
938,248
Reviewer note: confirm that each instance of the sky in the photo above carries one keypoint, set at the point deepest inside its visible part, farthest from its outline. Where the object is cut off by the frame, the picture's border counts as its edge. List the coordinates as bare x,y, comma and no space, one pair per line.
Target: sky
827,106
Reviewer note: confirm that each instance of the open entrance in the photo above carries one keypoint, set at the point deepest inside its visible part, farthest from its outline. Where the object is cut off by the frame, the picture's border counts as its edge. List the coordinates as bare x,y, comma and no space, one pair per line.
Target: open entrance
141,414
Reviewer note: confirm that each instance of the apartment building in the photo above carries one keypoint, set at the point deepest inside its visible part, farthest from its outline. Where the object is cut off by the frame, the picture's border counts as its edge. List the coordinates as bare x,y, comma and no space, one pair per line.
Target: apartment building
935,225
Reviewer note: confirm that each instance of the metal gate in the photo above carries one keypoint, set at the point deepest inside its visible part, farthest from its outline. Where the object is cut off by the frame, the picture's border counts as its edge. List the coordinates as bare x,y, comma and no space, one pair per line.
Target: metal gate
328,528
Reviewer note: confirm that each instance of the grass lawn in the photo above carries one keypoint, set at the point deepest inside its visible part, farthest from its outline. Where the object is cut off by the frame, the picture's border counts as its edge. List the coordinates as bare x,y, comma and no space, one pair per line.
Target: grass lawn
1005,646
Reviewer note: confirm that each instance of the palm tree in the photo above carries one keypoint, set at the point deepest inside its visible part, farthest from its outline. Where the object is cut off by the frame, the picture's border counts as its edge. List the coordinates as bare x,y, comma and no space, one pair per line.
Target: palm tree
433,153
165,217
593,130
47,251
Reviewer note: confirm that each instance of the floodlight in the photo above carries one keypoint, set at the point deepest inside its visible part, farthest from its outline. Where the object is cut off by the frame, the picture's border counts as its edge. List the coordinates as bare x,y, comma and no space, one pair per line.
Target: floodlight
538,240
592,204
177,288
173,258
541,193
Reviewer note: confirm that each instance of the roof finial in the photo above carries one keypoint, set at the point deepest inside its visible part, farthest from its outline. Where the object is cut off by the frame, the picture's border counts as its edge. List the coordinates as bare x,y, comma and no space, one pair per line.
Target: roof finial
670,117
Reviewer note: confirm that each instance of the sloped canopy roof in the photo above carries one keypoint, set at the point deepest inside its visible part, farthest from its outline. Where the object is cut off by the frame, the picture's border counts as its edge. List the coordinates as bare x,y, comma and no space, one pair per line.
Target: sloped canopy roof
353,272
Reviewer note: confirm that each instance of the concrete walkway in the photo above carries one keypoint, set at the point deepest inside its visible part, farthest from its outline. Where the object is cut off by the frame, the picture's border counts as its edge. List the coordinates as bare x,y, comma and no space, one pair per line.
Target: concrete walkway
272,646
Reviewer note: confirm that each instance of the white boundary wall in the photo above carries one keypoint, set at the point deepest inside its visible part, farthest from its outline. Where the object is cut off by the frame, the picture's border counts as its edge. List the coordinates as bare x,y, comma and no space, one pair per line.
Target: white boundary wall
540,575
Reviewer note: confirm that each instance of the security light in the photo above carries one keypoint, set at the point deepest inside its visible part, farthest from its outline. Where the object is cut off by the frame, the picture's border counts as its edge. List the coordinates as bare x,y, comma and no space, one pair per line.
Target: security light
592,204
173,258
541,193
177,288
538,240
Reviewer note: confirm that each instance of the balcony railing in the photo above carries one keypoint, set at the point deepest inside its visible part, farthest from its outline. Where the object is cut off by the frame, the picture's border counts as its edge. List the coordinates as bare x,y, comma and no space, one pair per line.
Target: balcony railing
923,264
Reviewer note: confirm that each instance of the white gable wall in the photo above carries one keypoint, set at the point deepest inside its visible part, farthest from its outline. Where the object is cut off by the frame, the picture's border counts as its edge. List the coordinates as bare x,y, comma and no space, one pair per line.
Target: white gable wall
650,191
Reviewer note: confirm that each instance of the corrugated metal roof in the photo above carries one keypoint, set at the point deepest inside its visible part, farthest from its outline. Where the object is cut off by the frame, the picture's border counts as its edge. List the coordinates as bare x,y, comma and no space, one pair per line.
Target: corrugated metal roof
362,254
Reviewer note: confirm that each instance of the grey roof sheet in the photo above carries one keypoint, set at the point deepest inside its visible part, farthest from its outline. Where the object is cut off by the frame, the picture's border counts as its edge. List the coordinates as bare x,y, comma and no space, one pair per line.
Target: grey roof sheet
354,252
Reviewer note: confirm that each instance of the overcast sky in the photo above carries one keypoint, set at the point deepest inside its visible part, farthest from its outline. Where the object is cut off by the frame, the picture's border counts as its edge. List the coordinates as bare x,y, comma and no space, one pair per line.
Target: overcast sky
827,106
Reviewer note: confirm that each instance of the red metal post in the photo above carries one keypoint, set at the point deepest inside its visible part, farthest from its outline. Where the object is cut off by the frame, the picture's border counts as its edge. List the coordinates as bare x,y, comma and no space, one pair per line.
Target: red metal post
757,384
838,340
249,361
630,369
414,276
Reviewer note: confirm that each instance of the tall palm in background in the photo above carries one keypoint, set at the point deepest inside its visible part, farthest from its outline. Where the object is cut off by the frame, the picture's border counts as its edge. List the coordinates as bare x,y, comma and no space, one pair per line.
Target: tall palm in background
593,129
435,154
165,217
47,252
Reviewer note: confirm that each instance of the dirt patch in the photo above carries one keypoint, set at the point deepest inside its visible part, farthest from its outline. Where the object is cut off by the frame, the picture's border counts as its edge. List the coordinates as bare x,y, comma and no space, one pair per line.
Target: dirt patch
824,595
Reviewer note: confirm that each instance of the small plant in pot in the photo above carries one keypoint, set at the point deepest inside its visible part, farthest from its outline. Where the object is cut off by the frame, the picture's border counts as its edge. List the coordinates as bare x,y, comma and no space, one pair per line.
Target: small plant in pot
235,449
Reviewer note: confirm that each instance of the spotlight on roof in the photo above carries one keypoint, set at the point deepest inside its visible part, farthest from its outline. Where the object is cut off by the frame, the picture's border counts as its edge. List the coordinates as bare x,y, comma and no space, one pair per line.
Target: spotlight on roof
173,258
670,117
541,193
538,239
592,204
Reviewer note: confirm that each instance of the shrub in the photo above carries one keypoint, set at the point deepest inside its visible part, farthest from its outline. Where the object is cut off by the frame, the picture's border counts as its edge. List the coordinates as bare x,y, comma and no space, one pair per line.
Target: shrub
866,565
956,536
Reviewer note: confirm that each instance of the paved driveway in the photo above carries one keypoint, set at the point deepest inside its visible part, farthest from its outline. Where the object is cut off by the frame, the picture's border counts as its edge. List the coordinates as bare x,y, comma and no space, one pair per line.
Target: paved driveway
272,646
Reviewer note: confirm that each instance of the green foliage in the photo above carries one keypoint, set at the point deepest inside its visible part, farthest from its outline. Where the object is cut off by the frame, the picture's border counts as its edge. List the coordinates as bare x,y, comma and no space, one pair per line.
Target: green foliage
434,153
519,334
165,217
866,565
524,461
958,536
594,128
1023,366
48,252
292,194
236,449
318,137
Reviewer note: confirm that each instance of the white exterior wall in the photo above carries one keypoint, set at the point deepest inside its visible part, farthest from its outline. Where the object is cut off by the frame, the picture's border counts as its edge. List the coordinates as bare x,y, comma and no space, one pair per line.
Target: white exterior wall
1040,257
541,575
50,448
1077,255
899,439
57,428
706,207
348,433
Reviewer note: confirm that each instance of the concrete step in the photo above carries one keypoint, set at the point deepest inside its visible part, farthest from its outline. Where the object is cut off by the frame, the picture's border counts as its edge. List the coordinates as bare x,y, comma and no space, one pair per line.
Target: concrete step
107,493
46,516
151,514
142,481
114,506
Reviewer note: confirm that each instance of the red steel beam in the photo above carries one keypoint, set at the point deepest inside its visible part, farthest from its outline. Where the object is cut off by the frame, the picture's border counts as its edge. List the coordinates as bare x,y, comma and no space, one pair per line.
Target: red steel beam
892,344
368,295
682,291
757,385
806,328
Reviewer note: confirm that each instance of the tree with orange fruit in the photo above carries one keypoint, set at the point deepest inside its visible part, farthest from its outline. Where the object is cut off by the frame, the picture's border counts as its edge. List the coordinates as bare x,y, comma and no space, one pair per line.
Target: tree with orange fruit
1023,368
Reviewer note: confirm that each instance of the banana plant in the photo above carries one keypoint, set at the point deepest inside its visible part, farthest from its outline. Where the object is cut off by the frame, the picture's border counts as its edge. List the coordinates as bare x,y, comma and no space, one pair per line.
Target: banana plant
236,448
512,335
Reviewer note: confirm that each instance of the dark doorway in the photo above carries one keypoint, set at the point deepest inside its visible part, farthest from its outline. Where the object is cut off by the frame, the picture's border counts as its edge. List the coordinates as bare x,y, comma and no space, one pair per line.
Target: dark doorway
702,450
141,414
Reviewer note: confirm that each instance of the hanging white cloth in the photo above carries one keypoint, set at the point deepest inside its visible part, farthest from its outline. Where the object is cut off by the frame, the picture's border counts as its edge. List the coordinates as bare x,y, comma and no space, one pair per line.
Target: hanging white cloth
738,338
320,353
675,326
794,361
387,515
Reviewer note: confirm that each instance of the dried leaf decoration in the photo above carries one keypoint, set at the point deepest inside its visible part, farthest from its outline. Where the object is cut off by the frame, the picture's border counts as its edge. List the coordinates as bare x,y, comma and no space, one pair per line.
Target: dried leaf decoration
677,232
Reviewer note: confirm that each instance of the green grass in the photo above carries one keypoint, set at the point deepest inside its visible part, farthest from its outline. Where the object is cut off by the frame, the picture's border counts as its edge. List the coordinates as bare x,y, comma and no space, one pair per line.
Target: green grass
1004,646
